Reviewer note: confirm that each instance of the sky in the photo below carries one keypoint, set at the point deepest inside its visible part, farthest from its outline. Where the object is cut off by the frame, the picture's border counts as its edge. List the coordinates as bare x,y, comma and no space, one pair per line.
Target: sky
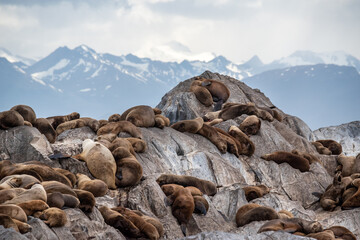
173,30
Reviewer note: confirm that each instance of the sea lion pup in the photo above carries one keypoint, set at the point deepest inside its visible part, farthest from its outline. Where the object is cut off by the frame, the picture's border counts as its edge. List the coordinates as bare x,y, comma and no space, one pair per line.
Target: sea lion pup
120,126
237,110
26,112
97,187
292,225
161,121
99,161
54,186
247,147
139,145
201,93
332,145
342,232
122,142
8,222
146,228
140,116
252,192
284,214
87,200
219,92
114,118
191,126
324,235
331,197
213,136
36,192
13,182
274,113
55,121
204,186
78,123
8,194
68,174
129,170
26,180
10,119
293,160
54,217
354,200
44,127
13,211
32,206
251,125
120,222
201,204
310,157
254,212
34,168
321,149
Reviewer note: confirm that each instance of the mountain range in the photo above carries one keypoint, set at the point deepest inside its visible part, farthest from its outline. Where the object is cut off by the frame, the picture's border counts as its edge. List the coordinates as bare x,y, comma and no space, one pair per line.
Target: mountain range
100,84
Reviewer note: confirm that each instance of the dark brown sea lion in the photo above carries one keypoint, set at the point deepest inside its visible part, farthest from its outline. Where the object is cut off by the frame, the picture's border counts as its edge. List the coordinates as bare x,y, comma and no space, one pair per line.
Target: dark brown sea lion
292,225
26,112
140,116
293,160
10,119
78,123
254,212
332,145
191,126
55,121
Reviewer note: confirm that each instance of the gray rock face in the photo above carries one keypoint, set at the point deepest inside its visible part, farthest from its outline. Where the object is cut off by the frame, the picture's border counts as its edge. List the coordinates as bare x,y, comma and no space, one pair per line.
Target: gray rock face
170,151
348,135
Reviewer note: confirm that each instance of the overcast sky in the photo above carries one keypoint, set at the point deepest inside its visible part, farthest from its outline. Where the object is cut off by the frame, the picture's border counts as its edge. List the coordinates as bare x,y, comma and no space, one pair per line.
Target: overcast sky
175,29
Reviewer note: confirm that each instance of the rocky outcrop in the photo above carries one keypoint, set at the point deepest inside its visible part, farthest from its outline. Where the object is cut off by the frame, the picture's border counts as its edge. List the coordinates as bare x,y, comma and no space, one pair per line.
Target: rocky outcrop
348,135
170,151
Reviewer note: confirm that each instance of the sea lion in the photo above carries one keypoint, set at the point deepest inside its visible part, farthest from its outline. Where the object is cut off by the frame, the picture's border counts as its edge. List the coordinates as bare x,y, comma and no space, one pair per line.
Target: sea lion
214,122
274,113
13,182
348,193
146,228
342,232
237,110
169,189
354,200
106,139
87,200
60,200
54,217
247,147
219,92
213,136
210,116
120,222
78,123
321,149
331,197
292,225
233,144
201,204
293,160
251,125
140,116
115,117
332,145
10,119
44,127
8,194
23,227
161,121
122,142
254,212
349,164
55,186
120,126
8,222
156,223
26,123
139,145
204,186
100,161
324,235
102,122
252,192
26,112
129,170
36,192
32,206
67,174
201,93
13,211
97,187
284,214
310,157
26,180
191,126
55,121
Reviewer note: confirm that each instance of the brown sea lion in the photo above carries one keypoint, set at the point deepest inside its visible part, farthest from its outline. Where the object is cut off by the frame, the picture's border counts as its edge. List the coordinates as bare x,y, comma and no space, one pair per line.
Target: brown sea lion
140,116
26,123
161,121
310,157
36,192
201,93
102,122
342,232
252,192
26,180
213,136
120,126
251,125
10,119
201,204
8,222
100,161
169,189
332,145
54,217
214,122
115,117
156,223
254,212
23,227
349,164
331,197
146,228
106,139
204,186
60,200
32,206
292,225
87,200
78,123
68,174
26,112
233,144
219,92
44,127
97,187
122,142
284,214
354,200
293,160
13,182
324,235
13,211
191,126
139,145
321,149
55,186
55,121
210,116
120,222
129,170
247,147
237,110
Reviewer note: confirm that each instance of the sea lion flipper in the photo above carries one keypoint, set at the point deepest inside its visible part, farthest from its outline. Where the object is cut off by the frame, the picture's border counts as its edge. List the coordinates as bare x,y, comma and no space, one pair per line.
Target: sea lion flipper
119,174
183,228
58,156
199,206
290,230
218,104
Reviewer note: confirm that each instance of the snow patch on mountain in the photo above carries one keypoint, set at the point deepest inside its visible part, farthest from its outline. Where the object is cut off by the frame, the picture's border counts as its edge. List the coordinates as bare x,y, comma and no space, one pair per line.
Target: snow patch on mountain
41,75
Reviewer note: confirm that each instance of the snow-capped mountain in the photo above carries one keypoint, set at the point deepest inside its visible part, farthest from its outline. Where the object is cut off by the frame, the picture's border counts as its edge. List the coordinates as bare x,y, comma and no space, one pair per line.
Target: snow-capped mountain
321,95
18,60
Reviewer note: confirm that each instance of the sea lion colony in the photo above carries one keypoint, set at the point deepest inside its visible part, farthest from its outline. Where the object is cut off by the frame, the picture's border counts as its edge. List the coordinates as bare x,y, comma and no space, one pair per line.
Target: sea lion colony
35,189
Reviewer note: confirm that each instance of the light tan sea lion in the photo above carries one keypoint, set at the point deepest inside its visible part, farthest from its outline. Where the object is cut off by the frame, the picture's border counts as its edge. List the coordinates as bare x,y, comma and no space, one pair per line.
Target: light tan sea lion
54,217
191,126
120,126
97,187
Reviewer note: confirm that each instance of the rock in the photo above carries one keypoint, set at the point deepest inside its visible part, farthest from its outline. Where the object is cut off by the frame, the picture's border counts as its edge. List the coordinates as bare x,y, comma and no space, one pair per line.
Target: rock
10,234
299,127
